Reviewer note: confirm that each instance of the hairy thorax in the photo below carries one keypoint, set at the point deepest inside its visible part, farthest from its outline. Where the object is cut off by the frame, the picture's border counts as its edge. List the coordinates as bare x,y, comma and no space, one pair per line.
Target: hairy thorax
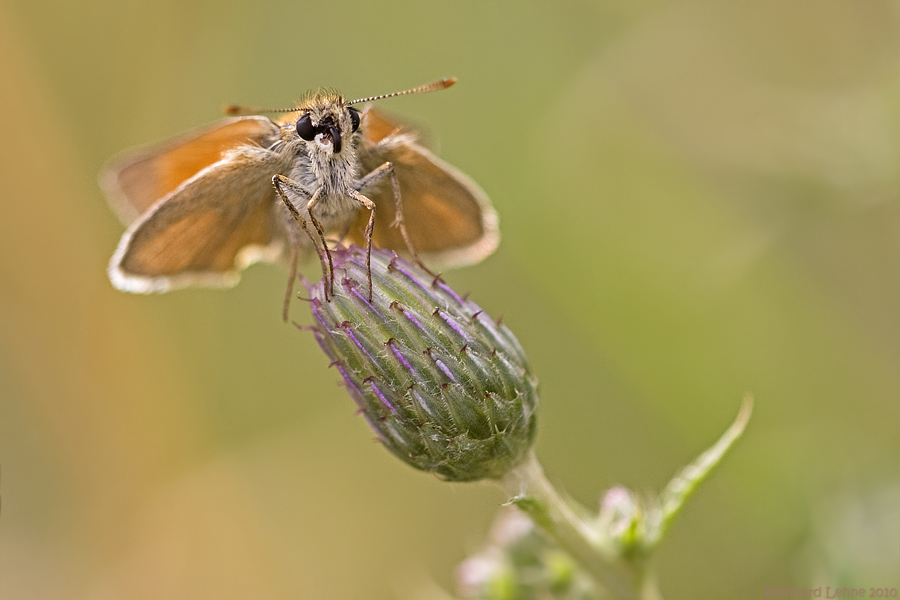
336,175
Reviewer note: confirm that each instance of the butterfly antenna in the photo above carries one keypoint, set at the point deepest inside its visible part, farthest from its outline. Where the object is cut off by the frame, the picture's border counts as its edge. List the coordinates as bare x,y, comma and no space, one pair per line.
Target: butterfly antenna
239,110
431,87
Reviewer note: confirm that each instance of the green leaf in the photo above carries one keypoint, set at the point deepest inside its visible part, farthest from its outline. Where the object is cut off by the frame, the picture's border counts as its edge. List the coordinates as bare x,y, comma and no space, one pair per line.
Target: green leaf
681,486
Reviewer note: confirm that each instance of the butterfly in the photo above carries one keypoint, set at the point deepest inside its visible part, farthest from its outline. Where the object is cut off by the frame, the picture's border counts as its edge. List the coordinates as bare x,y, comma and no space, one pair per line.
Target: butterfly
203,206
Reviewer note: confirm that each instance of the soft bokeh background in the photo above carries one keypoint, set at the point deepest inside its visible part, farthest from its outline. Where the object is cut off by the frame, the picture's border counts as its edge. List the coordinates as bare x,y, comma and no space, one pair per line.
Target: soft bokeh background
698,199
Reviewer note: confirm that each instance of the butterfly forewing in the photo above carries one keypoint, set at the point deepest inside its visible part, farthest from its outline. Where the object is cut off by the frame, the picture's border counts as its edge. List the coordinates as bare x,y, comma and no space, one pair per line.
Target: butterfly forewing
448,216
136,180
211,226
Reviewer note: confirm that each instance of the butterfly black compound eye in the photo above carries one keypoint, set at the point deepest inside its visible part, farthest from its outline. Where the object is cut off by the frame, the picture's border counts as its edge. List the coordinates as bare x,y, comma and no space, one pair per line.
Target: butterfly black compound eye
354,117
305,128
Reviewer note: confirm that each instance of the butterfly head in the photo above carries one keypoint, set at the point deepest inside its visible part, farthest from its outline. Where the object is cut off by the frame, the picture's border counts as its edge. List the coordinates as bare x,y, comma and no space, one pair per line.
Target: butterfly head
326,123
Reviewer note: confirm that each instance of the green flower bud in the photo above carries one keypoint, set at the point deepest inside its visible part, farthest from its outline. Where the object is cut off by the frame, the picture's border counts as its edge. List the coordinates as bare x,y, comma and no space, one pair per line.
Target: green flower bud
622,519
447,389
518,562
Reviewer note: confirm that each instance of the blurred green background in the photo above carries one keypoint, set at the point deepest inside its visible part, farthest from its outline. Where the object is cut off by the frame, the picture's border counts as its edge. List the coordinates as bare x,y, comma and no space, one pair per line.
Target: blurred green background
698,199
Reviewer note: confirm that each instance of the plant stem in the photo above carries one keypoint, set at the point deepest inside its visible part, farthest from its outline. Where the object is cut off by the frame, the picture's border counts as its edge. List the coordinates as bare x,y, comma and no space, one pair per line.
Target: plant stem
533,493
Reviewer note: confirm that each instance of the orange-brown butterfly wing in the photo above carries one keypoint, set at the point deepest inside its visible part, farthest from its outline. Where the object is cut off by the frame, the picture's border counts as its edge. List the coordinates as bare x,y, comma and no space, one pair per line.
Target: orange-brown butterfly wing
207,229
449,218
138,178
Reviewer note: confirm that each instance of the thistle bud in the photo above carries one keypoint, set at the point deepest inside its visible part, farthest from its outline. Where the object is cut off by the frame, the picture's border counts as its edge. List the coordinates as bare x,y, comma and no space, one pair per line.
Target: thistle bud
447,389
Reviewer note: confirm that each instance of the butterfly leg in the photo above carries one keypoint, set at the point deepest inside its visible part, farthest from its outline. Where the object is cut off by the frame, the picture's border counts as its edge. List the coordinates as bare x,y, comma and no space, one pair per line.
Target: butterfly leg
370,206
387,169
313,202
292,276
278,181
